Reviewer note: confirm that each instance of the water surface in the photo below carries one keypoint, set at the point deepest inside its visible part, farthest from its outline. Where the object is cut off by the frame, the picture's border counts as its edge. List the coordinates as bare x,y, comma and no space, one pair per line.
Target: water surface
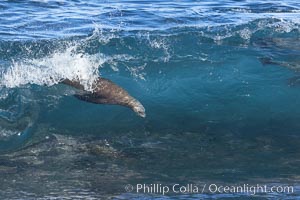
219,81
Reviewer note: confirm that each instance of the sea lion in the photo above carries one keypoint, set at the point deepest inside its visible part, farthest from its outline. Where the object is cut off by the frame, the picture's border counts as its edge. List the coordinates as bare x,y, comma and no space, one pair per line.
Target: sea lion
107,92
287,48
291,64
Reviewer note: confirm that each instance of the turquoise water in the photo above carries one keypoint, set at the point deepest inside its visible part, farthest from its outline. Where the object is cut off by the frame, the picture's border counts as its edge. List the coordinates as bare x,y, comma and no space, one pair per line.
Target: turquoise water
219,81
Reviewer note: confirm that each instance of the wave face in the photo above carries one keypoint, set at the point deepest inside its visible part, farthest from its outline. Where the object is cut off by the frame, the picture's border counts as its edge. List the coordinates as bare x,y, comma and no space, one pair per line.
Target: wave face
219,81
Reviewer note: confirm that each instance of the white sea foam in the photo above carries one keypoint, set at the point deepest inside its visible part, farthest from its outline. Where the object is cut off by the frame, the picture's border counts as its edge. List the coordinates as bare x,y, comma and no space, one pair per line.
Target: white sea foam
138,72
102,36
52,69
5,134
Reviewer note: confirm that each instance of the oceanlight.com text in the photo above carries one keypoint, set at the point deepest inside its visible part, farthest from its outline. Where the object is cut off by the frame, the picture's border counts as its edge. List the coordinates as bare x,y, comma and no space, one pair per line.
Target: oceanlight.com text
211,188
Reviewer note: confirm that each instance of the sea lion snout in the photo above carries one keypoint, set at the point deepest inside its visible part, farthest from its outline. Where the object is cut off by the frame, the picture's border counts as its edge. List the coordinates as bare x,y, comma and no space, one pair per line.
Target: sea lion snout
139,109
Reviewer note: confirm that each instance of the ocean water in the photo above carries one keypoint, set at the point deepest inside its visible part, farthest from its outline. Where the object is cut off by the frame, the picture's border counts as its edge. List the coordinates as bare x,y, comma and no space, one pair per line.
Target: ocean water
219,81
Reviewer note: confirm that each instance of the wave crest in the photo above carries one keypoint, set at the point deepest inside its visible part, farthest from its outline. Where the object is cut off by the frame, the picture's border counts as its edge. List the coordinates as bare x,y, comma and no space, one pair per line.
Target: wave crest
50,70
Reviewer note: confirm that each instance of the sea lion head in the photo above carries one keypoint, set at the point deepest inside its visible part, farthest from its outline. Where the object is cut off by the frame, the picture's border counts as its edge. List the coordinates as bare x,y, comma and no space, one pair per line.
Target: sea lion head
138,108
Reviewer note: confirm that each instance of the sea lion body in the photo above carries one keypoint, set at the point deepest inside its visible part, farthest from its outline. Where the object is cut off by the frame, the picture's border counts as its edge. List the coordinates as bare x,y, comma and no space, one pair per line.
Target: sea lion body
107,92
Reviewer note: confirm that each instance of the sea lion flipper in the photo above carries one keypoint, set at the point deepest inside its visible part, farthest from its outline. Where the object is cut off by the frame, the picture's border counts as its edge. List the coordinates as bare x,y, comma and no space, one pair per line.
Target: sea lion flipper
91,97
267,61
75,84
82,97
